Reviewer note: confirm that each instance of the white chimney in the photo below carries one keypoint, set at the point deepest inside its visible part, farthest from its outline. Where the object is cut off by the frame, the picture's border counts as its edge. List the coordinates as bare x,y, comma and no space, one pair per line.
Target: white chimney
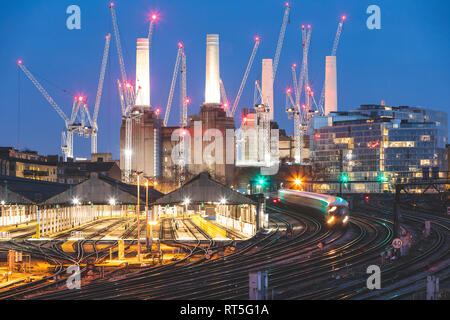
212,86
330,84
142,72
267,84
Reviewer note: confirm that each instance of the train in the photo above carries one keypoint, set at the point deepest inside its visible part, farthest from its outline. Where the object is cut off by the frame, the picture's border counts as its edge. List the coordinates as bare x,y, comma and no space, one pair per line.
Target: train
334,210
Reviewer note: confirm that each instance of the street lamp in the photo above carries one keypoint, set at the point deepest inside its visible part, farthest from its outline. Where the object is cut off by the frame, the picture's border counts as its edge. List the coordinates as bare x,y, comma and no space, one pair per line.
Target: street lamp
146,211
138,209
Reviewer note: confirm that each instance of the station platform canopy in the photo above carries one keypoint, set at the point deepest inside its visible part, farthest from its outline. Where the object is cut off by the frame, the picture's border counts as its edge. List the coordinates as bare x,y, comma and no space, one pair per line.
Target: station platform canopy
23,191
100,190
203,189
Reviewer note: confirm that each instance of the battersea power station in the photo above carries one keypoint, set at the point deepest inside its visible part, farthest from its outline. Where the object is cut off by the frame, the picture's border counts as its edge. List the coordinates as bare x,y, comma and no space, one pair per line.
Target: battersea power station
163,153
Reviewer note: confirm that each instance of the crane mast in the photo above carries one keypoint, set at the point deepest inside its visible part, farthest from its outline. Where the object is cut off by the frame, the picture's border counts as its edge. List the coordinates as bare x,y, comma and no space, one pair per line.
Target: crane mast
93,120
244,79
183,96
223,93
293,104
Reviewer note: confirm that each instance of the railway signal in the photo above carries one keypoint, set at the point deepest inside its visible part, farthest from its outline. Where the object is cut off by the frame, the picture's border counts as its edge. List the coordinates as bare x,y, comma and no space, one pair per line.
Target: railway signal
261,181
344,178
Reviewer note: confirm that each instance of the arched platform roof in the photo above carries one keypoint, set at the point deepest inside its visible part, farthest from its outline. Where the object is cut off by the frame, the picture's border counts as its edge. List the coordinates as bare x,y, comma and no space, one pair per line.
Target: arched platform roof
203,189
99,190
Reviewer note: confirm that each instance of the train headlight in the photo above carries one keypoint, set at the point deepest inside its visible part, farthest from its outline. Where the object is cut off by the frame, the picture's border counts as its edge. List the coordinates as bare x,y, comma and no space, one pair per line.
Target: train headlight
345,219
330,220
332,209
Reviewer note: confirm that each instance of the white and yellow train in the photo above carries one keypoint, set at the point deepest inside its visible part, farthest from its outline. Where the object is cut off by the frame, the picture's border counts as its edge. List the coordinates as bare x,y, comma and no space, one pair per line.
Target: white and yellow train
334,210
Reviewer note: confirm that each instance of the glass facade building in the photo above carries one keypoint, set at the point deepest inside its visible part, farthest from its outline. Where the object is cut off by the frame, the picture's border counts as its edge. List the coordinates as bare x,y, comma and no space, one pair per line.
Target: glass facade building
378,143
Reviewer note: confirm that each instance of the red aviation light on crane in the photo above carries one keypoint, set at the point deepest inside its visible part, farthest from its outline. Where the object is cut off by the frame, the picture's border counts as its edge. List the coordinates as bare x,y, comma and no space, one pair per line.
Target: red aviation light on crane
225,105
158,110
287,4
180,45
19,62
257,38
344,17
288,90
188,100
128,85
111,4
294,65
80,98
154,16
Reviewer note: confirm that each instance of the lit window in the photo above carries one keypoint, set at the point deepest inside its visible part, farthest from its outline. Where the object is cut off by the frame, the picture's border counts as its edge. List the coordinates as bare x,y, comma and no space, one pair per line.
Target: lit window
425,162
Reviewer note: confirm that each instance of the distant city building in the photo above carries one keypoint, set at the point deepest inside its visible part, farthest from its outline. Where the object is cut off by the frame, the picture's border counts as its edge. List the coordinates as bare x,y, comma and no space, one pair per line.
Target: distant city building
27,164
377,142
77,172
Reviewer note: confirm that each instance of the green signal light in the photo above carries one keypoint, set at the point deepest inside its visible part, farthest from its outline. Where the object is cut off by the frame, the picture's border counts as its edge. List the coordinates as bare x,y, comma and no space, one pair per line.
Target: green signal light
344,178
261,181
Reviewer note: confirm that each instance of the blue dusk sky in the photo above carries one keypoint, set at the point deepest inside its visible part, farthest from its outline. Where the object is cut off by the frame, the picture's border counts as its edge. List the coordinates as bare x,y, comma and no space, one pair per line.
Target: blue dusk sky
406,62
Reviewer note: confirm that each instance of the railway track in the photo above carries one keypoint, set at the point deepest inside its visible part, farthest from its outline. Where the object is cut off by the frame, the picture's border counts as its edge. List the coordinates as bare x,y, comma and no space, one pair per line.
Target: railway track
298,269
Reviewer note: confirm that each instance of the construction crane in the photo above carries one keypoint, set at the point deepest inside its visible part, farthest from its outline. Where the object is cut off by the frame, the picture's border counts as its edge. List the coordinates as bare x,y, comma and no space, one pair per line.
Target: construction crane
281,39
70,125
176,69
293,108
93,130
127,95
333,53
244,79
